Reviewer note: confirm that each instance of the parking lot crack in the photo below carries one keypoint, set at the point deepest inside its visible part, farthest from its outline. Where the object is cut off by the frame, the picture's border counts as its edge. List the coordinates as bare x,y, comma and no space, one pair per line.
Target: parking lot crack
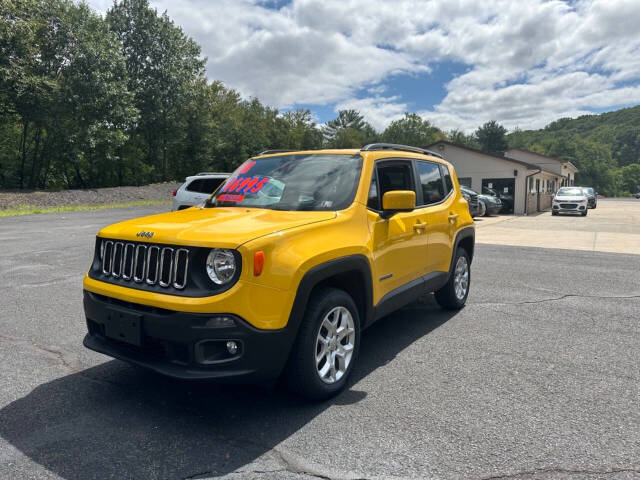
562,297
293,464
67,360
543,471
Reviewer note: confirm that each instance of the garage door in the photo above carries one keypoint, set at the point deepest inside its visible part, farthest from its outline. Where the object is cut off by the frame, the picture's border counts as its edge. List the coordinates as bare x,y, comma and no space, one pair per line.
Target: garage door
503,188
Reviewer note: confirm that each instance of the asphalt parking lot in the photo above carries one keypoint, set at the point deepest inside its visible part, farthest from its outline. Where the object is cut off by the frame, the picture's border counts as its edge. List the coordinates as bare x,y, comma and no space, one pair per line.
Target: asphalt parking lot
538,377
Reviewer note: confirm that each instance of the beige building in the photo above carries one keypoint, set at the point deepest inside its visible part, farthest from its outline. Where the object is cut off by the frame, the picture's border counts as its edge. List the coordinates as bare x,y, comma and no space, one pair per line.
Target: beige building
525,181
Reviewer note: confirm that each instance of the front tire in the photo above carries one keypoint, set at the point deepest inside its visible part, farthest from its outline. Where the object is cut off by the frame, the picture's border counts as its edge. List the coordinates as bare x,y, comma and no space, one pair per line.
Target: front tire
327,345
453,295
483,209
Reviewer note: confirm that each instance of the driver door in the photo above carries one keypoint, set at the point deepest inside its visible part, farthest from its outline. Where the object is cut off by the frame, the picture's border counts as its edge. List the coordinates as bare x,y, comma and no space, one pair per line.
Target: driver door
399,243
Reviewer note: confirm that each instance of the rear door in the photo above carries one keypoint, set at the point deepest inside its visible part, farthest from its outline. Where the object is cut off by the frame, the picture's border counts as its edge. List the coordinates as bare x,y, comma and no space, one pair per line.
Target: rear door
436,198
399,243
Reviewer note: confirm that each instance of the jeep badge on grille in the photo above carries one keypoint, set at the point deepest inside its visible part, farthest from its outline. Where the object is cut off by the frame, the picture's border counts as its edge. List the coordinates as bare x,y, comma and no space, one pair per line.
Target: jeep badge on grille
144,234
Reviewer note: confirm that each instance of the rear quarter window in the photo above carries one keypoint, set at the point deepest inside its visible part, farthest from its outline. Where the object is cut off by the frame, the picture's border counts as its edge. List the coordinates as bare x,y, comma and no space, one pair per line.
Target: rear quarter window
204,185
194,186
448,183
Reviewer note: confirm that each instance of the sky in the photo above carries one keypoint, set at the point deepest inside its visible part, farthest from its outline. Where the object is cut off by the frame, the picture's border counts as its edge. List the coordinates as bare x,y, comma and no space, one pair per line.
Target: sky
457,63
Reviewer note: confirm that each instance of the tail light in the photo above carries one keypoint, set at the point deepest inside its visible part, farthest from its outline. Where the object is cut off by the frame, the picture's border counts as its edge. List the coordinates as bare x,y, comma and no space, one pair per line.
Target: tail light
175,192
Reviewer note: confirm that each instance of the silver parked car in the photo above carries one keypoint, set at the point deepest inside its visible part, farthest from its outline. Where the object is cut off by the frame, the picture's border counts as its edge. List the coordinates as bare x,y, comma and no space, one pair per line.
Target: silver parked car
196,189
570,200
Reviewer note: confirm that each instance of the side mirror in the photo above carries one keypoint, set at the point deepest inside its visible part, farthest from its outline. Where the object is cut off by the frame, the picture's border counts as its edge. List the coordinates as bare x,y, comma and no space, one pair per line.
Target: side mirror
398,201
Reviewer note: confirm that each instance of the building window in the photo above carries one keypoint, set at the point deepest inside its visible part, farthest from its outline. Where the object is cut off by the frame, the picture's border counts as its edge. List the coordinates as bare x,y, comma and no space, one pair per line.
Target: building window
465,181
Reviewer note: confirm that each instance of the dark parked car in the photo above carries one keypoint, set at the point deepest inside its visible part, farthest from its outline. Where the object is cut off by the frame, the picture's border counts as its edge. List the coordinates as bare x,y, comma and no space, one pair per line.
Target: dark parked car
592,196
637,195
471,196
490,203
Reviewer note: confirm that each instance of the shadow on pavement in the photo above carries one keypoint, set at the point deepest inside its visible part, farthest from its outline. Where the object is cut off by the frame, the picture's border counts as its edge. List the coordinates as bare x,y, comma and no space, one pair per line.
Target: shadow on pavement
116,421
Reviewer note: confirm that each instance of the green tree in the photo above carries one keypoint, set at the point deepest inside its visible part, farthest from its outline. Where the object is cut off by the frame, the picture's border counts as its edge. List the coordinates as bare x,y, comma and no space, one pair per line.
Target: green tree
63,79
629,176
27,68
492,138
458,137
348,130
163,65
412,130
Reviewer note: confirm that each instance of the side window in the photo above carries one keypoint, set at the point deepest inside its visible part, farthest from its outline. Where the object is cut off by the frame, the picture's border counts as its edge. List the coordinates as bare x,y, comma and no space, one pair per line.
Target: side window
465,181
373,201
194,186
210,184
391,176
448,183
431,182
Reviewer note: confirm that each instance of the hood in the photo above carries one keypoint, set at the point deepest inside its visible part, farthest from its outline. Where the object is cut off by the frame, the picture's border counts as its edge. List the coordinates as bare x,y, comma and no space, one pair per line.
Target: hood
569,198
225,227
489,198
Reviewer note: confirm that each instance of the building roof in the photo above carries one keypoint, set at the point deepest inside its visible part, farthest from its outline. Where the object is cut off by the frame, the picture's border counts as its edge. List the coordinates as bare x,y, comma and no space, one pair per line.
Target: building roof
544,156
529,166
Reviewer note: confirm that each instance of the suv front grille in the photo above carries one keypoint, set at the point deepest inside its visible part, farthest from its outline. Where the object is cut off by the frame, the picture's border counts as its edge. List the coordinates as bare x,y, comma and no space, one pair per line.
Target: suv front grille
145,263
568,205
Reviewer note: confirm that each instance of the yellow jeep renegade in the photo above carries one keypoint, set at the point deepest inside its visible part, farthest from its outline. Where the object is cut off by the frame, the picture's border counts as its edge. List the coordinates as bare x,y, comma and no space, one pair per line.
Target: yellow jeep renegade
283,267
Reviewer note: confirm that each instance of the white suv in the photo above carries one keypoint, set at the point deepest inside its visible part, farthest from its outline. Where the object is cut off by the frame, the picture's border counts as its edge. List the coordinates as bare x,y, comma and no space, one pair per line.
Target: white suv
570,200
196,189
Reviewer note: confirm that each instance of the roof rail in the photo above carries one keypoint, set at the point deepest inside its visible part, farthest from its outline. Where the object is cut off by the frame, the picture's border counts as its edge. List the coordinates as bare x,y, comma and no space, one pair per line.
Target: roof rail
269,152
402,148
211,173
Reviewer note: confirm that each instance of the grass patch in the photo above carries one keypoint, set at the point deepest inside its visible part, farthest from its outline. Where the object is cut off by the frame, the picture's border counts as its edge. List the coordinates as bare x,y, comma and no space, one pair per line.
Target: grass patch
31,210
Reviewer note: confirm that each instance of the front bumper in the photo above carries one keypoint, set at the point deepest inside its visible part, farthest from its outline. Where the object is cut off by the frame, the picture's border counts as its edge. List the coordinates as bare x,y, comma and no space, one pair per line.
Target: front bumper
184,345
569,207
494,209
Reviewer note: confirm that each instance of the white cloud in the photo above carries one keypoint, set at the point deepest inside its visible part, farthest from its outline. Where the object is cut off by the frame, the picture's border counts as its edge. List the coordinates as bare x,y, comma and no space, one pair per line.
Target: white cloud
529,62
378,111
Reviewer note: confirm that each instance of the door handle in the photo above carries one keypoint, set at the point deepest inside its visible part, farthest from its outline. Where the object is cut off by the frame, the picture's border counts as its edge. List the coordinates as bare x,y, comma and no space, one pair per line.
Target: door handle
453,217
419,226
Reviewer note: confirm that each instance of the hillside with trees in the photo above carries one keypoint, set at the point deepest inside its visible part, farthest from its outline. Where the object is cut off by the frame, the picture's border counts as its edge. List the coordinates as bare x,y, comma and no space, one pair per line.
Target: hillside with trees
89,101
605,147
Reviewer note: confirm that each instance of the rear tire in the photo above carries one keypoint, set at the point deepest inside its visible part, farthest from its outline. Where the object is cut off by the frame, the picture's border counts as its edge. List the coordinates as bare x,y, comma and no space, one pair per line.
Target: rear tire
327,346
453,295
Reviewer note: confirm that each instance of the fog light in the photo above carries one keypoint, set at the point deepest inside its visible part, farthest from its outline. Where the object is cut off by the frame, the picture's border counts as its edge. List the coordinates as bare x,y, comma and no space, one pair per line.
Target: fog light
232,347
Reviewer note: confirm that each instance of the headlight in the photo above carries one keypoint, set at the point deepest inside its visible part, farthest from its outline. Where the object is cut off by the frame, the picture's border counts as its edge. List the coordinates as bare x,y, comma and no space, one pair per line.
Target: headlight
221,266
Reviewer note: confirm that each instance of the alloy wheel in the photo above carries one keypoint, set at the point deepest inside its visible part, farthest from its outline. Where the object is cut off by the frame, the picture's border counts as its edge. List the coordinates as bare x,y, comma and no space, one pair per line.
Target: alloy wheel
335,344
461,277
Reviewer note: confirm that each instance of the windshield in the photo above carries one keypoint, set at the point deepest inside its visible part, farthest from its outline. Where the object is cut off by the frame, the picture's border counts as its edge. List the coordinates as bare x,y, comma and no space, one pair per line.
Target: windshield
292,182
588,191
570,191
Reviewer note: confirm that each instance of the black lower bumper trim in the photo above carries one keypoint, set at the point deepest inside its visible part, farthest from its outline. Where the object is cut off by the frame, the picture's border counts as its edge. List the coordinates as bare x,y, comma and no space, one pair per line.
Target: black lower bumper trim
166,341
